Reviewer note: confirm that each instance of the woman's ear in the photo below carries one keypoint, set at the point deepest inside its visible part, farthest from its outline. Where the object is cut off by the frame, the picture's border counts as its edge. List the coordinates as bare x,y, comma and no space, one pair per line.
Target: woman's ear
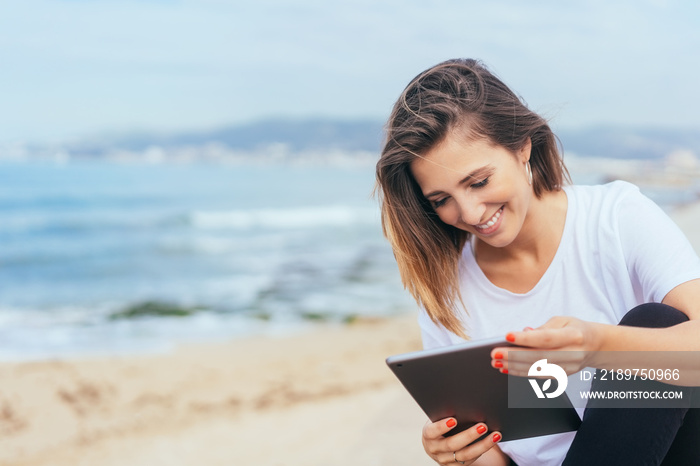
525,151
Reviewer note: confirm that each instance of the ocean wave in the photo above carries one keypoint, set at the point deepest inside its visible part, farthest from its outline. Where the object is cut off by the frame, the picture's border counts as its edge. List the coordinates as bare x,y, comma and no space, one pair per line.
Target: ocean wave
88,221
56,223
304,217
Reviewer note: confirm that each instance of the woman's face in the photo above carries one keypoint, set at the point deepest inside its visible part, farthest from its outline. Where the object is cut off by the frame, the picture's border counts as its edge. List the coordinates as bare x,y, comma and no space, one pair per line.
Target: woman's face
477,186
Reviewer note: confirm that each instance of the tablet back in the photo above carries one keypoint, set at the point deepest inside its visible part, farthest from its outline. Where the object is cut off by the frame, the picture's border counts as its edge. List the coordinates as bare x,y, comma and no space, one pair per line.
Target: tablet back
458,381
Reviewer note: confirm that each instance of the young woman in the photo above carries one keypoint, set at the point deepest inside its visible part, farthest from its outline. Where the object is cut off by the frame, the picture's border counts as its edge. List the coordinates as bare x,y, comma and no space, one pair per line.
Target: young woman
490,240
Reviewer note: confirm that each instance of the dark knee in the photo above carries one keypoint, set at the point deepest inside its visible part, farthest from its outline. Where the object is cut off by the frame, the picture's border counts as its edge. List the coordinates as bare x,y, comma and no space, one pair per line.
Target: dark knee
653,315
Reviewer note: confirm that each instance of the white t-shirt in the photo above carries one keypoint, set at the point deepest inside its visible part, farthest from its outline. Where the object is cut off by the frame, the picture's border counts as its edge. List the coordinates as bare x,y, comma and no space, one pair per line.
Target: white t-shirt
618,250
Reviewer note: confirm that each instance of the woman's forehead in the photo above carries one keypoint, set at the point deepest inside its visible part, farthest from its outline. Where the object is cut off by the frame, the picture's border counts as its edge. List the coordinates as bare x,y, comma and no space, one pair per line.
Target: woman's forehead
458,153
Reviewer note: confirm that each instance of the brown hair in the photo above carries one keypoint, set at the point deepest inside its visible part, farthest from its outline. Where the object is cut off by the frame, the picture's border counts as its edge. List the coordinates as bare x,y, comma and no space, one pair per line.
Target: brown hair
456,94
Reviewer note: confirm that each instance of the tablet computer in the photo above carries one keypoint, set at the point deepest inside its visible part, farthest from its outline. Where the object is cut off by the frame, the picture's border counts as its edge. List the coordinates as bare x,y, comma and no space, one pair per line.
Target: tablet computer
458,381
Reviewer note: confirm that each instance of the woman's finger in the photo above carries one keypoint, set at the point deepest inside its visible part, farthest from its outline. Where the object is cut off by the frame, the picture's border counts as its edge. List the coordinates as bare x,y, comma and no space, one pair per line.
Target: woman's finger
472,452
547,338
438,446
464,438
435,430
517,361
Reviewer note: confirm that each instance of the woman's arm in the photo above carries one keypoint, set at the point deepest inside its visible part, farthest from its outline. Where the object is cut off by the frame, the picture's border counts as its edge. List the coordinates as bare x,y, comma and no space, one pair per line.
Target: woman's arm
681,337
586,339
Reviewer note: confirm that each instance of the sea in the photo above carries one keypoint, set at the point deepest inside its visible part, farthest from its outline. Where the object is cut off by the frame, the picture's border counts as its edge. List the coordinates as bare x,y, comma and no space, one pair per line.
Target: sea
102,257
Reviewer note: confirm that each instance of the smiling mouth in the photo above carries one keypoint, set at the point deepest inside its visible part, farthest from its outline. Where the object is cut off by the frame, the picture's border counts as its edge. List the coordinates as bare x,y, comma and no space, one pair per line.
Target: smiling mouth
492,221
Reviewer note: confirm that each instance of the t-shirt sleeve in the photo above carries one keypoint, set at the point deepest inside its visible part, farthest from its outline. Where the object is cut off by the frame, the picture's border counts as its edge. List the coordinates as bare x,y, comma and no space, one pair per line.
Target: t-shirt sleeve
433,335
658,255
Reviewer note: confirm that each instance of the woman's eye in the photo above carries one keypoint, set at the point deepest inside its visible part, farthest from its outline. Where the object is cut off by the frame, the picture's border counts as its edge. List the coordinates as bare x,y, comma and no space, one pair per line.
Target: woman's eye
481,183
439,203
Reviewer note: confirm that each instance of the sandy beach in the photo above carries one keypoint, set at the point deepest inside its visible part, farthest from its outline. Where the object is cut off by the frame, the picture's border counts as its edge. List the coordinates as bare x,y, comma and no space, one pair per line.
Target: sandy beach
307,399
321,397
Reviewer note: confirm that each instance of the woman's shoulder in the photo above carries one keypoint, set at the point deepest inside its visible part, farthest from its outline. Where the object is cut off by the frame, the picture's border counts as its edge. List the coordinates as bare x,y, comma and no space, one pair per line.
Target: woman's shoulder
601,196
599,209
610,189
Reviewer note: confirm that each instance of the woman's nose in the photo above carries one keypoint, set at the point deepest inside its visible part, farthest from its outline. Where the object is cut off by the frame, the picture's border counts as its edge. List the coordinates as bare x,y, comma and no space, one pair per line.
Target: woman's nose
471,210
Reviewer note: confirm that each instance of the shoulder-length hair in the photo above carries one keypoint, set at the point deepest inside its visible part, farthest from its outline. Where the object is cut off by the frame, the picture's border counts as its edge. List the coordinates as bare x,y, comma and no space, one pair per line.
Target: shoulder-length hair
463,95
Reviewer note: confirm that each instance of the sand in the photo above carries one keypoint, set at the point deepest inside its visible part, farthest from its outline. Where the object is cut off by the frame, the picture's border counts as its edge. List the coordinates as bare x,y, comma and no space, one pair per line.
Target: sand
317,398
320,397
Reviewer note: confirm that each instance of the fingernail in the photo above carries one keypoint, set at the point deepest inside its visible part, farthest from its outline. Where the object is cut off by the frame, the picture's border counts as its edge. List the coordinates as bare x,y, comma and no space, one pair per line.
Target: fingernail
481,429
505,371
497,355
451,423
510,337
498,364
496,437
528,328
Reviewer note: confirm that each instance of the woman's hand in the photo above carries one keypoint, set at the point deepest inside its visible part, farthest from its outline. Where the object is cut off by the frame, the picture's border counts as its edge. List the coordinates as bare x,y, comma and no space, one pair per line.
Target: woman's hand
458,449
575,338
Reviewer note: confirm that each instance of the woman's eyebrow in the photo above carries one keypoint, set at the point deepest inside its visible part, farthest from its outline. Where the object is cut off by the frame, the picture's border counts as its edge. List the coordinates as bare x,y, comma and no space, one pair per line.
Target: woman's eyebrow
480,172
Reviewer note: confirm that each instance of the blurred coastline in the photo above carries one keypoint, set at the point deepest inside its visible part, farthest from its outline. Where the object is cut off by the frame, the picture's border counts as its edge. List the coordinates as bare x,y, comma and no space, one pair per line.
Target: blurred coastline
139,243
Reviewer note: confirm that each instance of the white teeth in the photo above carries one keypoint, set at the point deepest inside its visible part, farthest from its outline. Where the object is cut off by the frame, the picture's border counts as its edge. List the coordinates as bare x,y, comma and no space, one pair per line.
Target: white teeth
491,221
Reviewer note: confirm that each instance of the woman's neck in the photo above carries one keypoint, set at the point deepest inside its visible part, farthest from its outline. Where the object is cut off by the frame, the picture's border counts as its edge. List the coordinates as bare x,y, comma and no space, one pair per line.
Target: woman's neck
539,236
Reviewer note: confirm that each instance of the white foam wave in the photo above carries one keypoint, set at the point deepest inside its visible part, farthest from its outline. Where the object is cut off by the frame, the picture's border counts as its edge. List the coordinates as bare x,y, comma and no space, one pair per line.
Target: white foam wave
305,217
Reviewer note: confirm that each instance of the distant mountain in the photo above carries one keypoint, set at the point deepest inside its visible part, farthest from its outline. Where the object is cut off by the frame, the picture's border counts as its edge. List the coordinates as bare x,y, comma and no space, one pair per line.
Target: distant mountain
321,136
296,135
629,143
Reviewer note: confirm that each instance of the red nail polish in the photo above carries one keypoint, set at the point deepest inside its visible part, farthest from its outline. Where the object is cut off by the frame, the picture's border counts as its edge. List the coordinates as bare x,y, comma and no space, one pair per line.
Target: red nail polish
510,337
505,371
529,328
451,423
481,429
496,437
498,364
497,355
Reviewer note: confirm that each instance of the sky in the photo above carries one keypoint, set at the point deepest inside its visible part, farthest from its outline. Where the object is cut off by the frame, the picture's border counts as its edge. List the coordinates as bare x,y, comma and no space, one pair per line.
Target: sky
77,68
